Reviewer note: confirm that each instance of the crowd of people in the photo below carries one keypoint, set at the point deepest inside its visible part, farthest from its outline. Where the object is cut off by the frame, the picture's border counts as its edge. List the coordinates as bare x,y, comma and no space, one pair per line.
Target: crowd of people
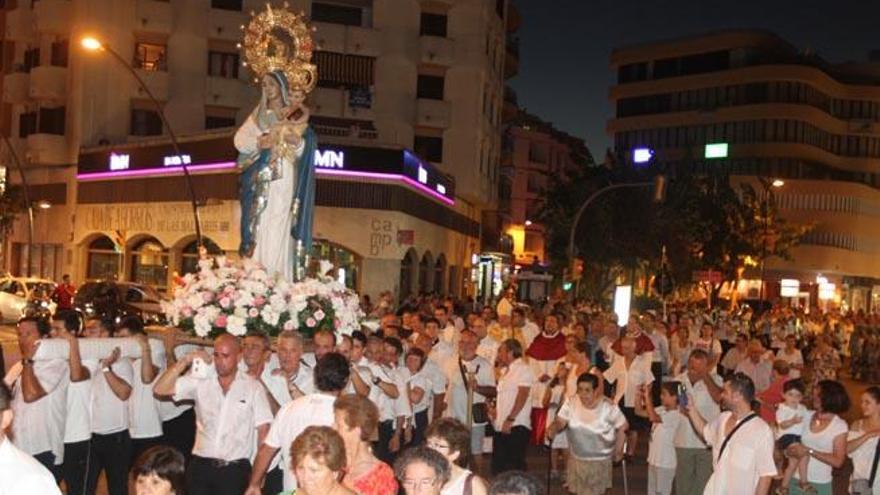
442,397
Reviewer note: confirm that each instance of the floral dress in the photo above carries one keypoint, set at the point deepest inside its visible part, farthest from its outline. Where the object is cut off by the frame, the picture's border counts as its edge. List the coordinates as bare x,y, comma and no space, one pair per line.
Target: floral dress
377,481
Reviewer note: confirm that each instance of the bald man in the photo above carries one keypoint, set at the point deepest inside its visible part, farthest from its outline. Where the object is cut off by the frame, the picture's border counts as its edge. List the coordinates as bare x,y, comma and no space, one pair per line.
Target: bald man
232,411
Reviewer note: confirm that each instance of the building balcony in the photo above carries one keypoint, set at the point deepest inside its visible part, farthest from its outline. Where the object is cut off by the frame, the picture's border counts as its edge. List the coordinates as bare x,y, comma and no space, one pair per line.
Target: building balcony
432,113
154,16
226,24
157,81
53,16
48,82
226,92
514,19
437,51
20,24
15,87
47,149
330,37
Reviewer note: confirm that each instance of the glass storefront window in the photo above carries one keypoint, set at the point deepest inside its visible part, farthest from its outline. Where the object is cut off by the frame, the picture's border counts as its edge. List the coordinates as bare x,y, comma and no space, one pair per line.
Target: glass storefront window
149,264
103,260
347,263
406,274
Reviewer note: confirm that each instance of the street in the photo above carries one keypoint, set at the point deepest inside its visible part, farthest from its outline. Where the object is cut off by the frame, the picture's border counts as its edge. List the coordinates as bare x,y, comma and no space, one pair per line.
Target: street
537,460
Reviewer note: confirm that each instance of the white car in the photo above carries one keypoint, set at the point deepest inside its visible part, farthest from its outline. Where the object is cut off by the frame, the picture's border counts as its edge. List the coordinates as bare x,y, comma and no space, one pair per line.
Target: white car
16,292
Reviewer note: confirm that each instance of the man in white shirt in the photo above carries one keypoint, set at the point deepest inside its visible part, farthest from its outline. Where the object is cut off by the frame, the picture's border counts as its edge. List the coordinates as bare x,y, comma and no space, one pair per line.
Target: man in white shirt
512,412
524,330
110,448
145,421
402,411
178,419
469,372
384,392
736,355
756,367
331,377
39,397
324,342
293,377
694,460
448,331
78,416
742,443
19,472
233,415
487,347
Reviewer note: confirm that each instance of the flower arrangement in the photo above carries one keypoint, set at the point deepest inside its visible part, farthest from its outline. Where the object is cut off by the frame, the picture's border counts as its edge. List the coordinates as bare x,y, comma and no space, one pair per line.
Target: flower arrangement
239,297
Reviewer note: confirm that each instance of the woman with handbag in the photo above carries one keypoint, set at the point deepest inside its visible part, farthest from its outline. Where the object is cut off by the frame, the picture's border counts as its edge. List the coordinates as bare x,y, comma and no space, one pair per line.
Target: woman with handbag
863,446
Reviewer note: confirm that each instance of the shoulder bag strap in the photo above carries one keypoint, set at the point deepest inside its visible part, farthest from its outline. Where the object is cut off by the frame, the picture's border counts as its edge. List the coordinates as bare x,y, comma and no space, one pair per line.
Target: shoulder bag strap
469,485
874,464
734,430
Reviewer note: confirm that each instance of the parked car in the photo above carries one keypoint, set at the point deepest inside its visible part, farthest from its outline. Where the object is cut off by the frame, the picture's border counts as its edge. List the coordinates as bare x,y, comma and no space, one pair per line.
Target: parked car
23,296
116,300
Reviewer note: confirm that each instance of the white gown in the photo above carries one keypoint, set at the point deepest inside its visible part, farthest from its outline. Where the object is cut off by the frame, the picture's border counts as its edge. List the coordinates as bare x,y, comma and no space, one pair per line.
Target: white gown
274,245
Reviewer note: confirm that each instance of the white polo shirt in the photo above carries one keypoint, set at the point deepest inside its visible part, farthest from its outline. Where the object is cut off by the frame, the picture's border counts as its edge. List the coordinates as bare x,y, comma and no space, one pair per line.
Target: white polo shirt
518,374
39,426
686,437
21,473
293,419
629,380
226,423
109,413
488,349
456,396
747,457
143,408
277,384
78,420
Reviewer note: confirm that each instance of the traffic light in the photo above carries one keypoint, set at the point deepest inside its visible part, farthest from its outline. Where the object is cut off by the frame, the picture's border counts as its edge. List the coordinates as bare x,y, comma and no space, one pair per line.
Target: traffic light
577,268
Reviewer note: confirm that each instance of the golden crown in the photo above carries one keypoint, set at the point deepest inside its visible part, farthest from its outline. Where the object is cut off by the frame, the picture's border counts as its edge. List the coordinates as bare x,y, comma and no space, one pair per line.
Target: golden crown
278,39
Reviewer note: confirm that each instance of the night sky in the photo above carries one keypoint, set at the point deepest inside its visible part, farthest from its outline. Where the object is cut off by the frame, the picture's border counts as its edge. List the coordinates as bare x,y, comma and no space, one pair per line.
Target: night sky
565,45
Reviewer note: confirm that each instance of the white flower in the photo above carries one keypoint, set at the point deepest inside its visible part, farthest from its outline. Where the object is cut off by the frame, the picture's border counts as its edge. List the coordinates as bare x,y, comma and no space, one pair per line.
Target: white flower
202,325
277,303
236,325
241,312
269,316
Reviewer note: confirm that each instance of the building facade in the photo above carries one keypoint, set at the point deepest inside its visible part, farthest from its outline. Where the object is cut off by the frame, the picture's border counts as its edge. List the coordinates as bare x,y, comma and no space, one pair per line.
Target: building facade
535,154
775,113
402,84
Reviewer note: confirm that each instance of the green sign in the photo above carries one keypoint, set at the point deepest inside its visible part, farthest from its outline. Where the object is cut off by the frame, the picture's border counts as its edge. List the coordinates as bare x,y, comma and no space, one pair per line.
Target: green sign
716,150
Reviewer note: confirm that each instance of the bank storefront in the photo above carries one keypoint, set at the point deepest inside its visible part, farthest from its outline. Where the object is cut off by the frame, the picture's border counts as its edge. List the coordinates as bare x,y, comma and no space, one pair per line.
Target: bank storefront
385,218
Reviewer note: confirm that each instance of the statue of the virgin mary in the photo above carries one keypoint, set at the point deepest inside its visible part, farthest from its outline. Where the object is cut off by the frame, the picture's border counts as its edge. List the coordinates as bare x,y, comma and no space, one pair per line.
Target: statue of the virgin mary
277,147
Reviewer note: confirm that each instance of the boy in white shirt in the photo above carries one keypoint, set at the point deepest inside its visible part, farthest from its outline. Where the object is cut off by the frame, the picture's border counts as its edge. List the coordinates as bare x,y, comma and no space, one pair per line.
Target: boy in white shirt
661,452
791,419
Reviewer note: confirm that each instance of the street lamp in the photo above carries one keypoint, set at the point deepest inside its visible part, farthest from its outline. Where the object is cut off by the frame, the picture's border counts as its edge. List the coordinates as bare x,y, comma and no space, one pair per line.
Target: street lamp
528,223
765,205
93,44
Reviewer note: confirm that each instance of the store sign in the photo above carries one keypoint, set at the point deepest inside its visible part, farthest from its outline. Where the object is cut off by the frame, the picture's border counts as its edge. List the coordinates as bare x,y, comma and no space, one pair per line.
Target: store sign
219,155
789,287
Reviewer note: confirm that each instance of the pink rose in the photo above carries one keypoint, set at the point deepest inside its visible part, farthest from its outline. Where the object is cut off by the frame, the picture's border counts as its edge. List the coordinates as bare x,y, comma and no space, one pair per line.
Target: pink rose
207,296
311,323
229,289
225,302
187,312
220,322
253,312
259,301
336,323
288,325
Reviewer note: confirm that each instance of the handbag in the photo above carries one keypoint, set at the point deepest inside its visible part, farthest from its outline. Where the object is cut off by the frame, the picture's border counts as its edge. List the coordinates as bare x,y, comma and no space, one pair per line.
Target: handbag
479,412
862,486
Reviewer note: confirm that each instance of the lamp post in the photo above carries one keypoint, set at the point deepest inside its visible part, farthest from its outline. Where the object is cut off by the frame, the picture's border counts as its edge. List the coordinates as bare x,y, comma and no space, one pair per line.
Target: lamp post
765,205
95,45
26,190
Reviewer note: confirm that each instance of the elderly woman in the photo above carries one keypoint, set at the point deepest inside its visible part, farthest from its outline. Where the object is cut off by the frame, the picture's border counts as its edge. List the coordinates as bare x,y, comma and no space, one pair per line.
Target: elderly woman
596,432
356,418
422,471
452,439
159,471
318,460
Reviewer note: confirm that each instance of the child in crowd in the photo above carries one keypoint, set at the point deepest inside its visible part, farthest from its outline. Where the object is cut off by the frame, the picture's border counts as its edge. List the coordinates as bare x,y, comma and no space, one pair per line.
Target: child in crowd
661,452
791,419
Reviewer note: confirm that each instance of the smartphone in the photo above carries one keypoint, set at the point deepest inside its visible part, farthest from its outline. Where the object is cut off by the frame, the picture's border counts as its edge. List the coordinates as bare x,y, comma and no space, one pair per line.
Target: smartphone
199,368
682,396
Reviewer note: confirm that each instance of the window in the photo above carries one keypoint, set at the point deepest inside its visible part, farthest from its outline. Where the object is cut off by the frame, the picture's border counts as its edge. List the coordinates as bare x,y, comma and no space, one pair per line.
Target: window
226,4
150,56
52,121
31,59
149,264
430,87
59,53
190,255
27,124
145,122
347,263
337,14
537,153
429,148
433,25
213,122
223,64
499,8
103,260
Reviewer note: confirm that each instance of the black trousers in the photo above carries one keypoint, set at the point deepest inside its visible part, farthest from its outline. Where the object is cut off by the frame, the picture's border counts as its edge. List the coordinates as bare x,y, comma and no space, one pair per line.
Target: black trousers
274,483
421,424
657,371
213,477
139,445
380,448
180,433
47,459
508,450
111,454
75,468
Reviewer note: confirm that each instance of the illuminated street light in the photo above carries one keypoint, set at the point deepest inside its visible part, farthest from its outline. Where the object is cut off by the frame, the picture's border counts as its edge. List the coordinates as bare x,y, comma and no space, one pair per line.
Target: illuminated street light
777,183
528,223
44,204
91,44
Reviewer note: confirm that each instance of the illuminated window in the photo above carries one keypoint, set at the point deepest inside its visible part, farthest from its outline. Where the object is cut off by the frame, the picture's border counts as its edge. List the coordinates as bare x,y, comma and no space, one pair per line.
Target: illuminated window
150,56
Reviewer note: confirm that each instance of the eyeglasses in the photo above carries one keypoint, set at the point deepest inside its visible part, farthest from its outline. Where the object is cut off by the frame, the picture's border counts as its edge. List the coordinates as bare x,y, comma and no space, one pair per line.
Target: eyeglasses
413,485
437,446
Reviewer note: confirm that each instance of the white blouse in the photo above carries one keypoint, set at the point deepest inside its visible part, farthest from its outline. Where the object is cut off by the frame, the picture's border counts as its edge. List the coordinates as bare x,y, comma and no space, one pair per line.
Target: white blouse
591,431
